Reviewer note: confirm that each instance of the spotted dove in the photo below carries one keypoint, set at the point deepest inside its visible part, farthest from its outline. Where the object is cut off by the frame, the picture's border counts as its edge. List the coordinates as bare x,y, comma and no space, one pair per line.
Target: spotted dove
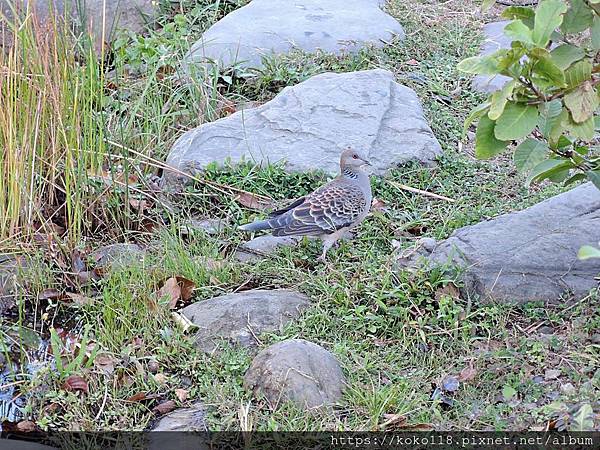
330,211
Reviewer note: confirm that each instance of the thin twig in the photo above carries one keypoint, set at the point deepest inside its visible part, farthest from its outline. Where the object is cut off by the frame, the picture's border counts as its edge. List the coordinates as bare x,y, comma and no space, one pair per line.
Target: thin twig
421,192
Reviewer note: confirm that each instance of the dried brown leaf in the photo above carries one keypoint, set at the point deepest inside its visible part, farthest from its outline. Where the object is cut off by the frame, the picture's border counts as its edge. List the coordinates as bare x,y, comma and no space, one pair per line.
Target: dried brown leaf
50,294
254,201
105,363
78,299
378,205
26,426
450,290
181,394
75,383
467,374
175,289
160,378
140,396
164,407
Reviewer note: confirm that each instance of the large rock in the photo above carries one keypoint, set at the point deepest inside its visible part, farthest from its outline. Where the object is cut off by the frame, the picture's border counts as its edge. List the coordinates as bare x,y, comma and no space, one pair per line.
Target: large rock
308,125
531,254
298,371
102,18
266,27
190,422
117,256
495,39
192,418
240,318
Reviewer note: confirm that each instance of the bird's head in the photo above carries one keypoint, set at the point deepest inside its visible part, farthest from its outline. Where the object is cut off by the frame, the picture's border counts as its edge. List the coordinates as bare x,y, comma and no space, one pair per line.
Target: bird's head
352,159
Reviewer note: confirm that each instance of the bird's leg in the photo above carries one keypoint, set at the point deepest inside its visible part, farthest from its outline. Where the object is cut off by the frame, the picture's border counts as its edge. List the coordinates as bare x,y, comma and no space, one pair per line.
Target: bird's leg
327,243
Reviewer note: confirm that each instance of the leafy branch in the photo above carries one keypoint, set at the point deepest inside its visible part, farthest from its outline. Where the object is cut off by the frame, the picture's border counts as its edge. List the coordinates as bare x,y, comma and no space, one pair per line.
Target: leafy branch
549,105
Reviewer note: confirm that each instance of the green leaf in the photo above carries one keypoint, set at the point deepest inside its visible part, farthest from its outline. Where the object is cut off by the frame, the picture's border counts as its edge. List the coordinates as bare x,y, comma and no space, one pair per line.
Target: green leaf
578,73
548,17
486,144
546,169
545,67
565,55
480,65
595,31
549,116
475,113
575,178
516,121
578,17
583,130
518,31
594,177
529,154
583,419
499,99
587,252
582,102
524,14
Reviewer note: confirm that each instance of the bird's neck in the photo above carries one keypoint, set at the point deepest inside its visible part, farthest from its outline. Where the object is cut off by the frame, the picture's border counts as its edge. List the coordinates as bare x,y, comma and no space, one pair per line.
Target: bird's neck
351,173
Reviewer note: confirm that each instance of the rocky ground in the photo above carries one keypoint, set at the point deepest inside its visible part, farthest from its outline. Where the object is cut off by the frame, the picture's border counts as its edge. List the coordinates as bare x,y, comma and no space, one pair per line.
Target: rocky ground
463,310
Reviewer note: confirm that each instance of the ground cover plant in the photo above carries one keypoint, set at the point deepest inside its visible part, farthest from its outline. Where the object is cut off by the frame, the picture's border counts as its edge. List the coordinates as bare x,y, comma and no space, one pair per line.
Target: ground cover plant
89,348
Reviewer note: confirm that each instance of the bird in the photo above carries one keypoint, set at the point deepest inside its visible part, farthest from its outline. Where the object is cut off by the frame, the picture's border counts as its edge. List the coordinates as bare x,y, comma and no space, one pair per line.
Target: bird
330,212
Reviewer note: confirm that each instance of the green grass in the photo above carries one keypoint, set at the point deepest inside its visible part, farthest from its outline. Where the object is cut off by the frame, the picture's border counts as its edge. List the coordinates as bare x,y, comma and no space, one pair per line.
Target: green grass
395,332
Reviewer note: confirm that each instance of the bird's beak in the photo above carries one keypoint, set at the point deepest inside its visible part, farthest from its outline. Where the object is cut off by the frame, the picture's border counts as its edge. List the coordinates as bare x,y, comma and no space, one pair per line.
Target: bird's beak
367,162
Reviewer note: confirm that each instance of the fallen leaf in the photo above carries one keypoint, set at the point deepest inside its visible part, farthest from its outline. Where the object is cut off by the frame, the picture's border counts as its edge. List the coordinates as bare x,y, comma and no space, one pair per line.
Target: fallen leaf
551,374
181,394
75,383
160,378
137,397
399,422
164,407
105,363
378,205
153,366
175,289
253,201
50,294
139,205
26,426
79,299
450,290
467,374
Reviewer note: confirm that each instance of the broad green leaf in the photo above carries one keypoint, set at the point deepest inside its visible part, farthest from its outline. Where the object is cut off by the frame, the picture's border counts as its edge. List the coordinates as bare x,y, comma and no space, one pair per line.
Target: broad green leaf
587,252
546,169
475,113
548,17
545,67
583,130
578,73
556,138
575,178
549,116
595,31
516,121
529,154
499,99
518,31
511,58
486,144
578,17
583,419
566,54
594,177
524,14
582,102
480,65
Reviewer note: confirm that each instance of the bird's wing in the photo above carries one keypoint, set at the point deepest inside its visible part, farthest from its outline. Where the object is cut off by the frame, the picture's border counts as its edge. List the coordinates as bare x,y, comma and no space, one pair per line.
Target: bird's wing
285,209
336,205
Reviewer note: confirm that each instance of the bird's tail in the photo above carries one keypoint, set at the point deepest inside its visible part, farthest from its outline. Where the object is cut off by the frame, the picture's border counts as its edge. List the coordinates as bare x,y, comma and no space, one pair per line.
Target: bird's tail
256,226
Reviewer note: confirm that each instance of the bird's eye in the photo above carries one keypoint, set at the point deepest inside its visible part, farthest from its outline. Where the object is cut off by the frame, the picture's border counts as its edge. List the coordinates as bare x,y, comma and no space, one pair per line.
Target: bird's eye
355,156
